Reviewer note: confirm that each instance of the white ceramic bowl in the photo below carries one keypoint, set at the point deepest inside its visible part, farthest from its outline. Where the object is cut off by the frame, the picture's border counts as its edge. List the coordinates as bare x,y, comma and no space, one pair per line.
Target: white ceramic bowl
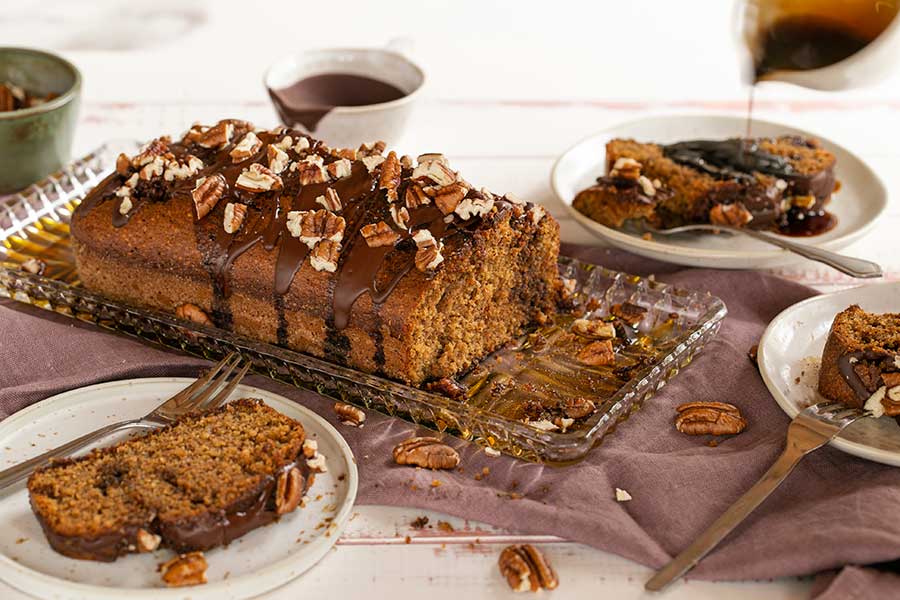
348,126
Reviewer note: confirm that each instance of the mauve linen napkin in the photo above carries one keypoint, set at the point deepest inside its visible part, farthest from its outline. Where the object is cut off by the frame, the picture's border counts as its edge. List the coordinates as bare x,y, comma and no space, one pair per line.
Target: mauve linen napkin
834,510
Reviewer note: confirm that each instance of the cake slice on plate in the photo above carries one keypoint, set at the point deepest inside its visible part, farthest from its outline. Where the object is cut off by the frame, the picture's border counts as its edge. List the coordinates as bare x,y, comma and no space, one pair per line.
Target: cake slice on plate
861,361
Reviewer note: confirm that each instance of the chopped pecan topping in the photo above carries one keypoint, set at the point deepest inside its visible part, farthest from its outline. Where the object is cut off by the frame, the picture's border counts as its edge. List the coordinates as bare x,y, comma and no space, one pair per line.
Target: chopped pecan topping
123,164
426,452
207,192
192,312
340,168
537,213
598,354
628,312
249,145
182,169
310,170
325,256
428,253
374,149
647,186
578,407
348,153
146,541
154,149
379,234
415,196
217,136
152,169
732,215
284,144
288,491
184,569
302,145
330,200
277,157
125,205
310,448
709,418
257,178
435,172
626,168
526,569
349,414
33,265
314,226
474,206
235,213
371,162
406,162
432,156
390,176
593,328
400,215
513,199
447,198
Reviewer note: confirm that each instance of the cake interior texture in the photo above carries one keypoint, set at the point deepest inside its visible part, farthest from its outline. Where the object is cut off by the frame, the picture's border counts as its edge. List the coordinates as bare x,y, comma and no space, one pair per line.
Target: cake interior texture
198,483
778,182
861,361
382,263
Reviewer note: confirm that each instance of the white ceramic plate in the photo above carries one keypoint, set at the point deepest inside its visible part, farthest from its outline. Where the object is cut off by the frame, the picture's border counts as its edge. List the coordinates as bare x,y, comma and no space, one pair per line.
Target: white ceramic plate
789,354
259,561
860,201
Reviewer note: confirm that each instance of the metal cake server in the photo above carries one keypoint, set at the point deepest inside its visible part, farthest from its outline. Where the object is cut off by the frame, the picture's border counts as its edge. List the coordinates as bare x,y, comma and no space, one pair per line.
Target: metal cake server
855,267
811,429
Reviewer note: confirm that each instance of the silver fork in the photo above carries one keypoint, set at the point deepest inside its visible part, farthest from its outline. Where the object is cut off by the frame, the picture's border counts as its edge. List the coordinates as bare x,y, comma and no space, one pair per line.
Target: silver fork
197,396
855,267
812,428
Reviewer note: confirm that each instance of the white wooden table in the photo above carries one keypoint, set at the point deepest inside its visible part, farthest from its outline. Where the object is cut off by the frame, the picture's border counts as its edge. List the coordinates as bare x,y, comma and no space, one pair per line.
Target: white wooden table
510,86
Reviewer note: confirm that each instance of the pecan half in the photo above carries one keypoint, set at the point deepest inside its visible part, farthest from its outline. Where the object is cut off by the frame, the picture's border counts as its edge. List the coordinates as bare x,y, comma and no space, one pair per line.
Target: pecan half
400,216
426,452
526,569
310,170
435,172
207,192
339,168
373,149
235,213
734,215
184,569
709,418
576,408
313,226
379,234
217,136
192,312
475,205
447,198
415,196
249,145
389,180
598,354
330,200
288,491
325,256
628,312
349,414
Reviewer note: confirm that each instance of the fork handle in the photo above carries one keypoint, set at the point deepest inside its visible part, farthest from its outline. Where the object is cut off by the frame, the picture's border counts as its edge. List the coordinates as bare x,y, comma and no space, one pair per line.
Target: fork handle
855,267
729,520
22,470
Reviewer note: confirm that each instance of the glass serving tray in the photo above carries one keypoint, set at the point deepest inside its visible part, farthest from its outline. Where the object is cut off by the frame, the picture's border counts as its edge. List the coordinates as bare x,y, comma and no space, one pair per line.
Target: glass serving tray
534,369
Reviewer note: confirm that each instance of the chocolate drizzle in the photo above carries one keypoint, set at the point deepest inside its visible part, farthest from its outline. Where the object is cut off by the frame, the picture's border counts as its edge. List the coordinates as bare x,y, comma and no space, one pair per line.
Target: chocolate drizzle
361,269
733,158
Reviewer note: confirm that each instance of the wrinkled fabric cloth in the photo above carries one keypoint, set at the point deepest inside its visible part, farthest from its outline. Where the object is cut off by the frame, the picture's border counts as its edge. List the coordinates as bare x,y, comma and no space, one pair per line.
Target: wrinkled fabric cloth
831,512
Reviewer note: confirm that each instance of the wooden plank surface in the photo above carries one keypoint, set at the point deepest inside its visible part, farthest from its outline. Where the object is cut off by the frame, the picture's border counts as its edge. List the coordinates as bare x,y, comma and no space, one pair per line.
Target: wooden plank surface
510,86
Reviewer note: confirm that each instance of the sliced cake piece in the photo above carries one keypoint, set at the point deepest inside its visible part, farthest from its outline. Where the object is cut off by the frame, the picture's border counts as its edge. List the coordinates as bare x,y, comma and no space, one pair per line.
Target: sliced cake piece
759,183
201,482
861,361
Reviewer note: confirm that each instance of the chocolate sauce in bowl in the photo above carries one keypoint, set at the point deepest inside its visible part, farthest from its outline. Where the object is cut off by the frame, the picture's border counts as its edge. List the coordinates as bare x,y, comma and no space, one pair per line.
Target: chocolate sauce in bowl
308,101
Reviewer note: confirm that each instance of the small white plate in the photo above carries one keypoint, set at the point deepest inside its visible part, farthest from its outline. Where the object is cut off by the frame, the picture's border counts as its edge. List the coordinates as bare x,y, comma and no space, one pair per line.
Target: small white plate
861,200
789,356
255,563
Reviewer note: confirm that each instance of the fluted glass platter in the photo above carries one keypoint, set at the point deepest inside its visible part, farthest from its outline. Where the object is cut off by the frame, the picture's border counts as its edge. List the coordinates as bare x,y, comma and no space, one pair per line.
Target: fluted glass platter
508,401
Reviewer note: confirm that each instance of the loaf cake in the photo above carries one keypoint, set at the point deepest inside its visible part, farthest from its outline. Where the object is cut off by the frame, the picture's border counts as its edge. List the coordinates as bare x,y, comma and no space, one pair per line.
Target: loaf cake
782,183
201,482
382,263
861,361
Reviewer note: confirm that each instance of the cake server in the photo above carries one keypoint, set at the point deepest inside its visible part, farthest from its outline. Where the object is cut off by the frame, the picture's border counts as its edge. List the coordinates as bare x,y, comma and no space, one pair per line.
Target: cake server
854,267
197,396
811,429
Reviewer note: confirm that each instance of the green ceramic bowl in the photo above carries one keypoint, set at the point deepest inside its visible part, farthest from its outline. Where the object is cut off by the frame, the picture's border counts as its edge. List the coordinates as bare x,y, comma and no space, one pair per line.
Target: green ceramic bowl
37,141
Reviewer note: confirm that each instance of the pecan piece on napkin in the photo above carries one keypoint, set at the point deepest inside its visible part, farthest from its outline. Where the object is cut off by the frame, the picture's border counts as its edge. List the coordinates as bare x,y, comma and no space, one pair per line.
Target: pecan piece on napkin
709,418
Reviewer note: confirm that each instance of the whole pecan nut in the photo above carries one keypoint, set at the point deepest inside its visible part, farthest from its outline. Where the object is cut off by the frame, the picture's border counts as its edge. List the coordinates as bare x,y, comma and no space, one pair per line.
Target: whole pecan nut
192,312
207,193
184,569
598,354
349,414
628,312
288,491
526,569
427,452
576,408
709,418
